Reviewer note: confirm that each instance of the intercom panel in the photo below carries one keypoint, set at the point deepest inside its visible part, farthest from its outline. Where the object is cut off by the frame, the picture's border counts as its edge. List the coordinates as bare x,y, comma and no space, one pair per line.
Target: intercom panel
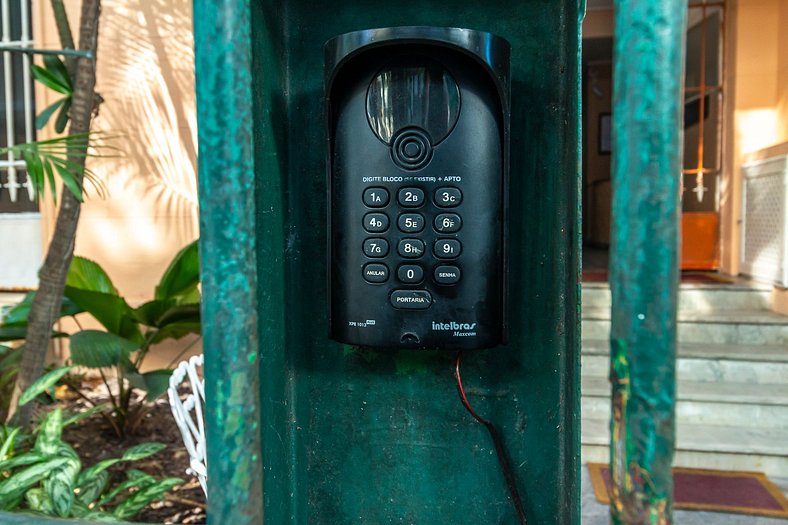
417,190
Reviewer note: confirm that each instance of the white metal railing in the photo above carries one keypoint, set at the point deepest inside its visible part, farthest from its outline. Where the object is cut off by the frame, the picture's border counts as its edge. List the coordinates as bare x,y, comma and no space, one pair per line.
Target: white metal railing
11,164
764,253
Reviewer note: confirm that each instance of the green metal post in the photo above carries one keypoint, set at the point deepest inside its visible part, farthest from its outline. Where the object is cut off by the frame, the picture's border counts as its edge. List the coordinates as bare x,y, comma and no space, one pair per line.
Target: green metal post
306,430
648,75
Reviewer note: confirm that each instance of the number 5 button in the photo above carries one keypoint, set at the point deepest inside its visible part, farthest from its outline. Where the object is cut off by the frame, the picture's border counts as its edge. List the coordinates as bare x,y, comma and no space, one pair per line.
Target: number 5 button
447,248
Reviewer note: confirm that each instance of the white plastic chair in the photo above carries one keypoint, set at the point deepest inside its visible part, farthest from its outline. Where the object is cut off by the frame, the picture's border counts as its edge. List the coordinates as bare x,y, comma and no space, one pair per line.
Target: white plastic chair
189,416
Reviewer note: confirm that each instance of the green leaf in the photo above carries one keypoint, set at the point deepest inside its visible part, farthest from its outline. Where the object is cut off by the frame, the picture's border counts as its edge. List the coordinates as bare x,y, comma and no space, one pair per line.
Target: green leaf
96,469
142,451
49,433
110,310
16,485
176,331
38,501
89,275
28,458
18,313
35,170
142,498
51,178
137,479
46,114
12,333
69,178
57,68
50,80
60,489
97,349
79,416
43,383
62,117
93,487
8,444
153,383
182,275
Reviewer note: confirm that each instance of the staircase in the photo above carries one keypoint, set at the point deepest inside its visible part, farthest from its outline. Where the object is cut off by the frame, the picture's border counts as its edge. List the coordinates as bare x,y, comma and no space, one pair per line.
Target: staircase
732,409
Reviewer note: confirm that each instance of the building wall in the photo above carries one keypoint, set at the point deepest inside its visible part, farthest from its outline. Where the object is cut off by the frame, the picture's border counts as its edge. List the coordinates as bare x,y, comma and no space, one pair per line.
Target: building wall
757,103
146,77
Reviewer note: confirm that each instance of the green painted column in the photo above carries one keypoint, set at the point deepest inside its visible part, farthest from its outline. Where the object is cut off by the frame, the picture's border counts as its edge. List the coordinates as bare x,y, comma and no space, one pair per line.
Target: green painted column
305,430
644,265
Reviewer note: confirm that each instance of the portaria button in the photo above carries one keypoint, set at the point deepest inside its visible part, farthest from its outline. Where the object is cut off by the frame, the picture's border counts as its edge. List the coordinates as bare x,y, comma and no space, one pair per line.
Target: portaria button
376,222
448,197
410,222
376,273
411,299
376,197
410,273
376,248
410,197
447,275
411,248
447,248
447,223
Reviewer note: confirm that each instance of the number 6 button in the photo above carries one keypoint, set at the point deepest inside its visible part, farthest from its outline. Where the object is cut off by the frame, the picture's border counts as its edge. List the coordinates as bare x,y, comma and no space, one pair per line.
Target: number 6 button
447,248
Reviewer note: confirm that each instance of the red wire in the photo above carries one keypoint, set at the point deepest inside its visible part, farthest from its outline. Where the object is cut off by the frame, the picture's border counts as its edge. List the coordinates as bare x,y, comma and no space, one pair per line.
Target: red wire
503,457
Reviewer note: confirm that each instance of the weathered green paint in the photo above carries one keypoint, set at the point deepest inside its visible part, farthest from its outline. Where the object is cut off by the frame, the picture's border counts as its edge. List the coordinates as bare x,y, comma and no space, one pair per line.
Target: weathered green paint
344,435
648,73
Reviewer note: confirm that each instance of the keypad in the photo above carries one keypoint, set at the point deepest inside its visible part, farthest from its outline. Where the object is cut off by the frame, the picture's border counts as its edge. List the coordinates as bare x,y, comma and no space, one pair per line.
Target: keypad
410,246
410,197
376,222
448,197
376,247
376,197
410,222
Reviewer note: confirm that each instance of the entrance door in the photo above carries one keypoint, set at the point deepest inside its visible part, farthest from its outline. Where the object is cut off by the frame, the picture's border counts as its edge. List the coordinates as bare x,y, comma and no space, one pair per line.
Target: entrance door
700,222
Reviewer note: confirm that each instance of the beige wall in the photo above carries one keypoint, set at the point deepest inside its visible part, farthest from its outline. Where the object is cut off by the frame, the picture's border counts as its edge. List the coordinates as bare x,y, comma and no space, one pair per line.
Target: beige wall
146,76
757,102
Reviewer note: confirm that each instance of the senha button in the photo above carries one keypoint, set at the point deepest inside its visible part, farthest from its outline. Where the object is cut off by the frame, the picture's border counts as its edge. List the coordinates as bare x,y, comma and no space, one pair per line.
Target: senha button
411,299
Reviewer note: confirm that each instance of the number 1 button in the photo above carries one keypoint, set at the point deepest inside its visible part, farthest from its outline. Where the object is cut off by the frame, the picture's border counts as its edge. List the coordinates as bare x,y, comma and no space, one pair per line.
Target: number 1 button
376,197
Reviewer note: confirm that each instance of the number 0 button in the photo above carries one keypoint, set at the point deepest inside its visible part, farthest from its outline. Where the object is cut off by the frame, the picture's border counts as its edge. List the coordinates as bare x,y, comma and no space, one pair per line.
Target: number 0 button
376,197
410,273
448,197
447,248
376,247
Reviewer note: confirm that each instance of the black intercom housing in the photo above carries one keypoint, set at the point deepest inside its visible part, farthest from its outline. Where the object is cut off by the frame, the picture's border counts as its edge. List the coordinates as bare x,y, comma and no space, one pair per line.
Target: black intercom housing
418,139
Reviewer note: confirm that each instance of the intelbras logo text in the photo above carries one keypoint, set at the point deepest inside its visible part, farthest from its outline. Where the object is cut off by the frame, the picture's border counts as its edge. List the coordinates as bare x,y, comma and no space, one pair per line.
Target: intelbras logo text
453,326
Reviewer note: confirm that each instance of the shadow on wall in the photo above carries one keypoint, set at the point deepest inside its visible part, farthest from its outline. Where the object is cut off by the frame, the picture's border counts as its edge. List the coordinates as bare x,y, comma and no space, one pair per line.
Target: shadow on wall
146,75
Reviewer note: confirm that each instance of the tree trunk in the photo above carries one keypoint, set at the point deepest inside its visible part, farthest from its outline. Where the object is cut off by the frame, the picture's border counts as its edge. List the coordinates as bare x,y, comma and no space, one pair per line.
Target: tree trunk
52,276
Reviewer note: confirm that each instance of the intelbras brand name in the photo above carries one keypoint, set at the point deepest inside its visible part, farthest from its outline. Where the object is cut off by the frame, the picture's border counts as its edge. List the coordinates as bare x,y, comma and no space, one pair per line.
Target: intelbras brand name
453,326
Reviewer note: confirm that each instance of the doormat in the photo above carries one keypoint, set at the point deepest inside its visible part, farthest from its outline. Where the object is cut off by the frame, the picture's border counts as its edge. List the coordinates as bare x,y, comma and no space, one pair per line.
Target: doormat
711,490
600,276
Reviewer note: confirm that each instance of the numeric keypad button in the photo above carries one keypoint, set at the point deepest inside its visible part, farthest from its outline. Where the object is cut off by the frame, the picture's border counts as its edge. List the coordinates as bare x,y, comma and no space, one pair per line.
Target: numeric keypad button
410,273
447,275
376,248
376,197
411,248
410,222
376,222
447,197
447,248
410,197
376,273
447,223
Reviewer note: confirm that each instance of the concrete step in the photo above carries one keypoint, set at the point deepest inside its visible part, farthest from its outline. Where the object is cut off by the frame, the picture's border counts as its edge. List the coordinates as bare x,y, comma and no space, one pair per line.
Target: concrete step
738,327
704,412
693,297
729,352
707,446
706,369
728,393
